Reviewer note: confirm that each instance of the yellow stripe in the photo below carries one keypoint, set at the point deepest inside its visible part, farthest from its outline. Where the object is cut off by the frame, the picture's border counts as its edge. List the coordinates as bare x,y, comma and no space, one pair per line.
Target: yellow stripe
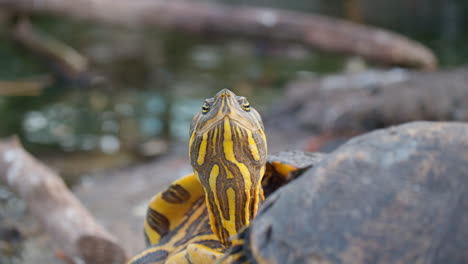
215,134
213,176
238,130
229,175
174,213
192,137
253,146
282,168
262,172
229,154
262,134
153,236
228,144
231,194
202,151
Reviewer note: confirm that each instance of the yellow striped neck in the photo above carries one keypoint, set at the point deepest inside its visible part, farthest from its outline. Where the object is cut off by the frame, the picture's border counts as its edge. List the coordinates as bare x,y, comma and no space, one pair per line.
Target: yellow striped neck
229,160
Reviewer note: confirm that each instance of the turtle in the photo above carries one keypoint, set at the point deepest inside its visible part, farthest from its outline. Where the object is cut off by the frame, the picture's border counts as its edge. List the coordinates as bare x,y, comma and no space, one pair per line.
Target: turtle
396,195
199,217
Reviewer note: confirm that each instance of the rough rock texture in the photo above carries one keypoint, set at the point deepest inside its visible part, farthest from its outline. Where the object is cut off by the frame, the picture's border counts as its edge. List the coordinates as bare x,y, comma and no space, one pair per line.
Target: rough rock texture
397,195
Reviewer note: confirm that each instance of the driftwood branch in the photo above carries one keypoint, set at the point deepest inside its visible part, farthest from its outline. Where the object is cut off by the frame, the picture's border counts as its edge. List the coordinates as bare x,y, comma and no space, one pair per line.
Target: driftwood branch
65,62
24,87
317,31
66,59
73,229
375,99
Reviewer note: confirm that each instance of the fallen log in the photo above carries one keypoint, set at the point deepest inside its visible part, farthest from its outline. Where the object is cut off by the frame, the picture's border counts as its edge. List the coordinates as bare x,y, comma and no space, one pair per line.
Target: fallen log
375,99
73,229
325,33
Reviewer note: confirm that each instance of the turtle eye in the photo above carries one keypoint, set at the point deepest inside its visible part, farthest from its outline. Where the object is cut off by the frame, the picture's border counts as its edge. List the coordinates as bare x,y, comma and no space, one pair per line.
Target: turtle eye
245,105
206,108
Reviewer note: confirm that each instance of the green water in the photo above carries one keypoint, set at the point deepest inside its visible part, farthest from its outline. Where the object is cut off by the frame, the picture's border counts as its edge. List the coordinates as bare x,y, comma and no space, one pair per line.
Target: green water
155,81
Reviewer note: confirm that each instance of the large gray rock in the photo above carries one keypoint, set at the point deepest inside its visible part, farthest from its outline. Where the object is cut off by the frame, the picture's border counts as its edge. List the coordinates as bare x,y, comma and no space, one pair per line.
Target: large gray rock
398,195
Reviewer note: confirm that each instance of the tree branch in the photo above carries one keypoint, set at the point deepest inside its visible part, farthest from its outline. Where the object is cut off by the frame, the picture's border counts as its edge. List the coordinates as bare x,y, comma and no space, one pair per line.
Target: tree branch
317,31
72,227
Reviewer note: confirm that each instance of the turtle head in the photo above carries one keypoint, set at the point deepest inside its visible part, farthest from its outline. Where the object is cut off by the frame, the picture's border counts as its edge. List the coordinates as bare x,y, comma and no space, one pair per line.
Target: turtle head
226,105
228,153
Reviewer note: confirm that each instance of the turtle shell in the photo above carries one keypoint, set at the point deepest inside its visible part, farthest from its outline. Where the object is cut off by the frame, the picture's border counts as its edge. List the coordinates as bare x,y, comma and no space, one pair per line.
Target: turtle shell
285,166
398,195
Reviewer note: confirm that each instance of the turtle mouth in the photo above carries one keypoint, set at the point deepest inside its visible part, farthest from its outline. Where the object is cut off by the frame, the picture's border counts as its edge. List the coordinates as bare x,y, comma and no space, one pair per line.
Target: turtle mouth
241,122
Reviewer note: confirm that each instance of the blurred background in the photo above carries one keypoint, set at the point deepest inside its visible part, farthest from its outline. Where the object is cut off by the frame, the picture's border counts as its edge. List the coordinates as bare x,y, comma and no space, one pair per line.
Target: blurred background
145,84
87,97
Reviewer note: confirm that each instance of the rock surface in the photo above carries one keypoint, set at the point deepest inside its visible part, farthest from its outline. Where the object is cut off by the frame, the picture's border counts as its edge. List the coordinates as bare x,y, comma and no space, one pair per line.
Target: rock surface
397,195
374,99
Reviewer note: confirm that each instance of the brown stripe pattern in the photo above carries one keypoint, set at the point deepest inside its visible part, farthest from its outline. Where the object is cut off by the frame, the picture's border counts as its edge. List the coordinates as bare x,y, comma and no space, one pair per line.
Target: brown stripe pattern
230,175
176,194
195,229
157,221
158,256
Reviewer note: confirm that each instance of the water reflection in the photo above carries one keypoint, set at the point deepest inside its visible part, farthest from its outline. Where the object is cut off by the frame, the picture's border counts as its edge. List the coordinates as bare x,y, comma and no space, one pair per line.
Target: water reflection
108,126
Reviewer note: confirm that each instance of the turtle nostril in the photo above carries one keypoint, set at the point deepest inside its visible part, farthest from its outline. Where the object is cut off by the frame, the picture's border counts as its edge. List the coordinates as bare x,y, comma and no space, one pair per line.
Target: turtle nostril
225,94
